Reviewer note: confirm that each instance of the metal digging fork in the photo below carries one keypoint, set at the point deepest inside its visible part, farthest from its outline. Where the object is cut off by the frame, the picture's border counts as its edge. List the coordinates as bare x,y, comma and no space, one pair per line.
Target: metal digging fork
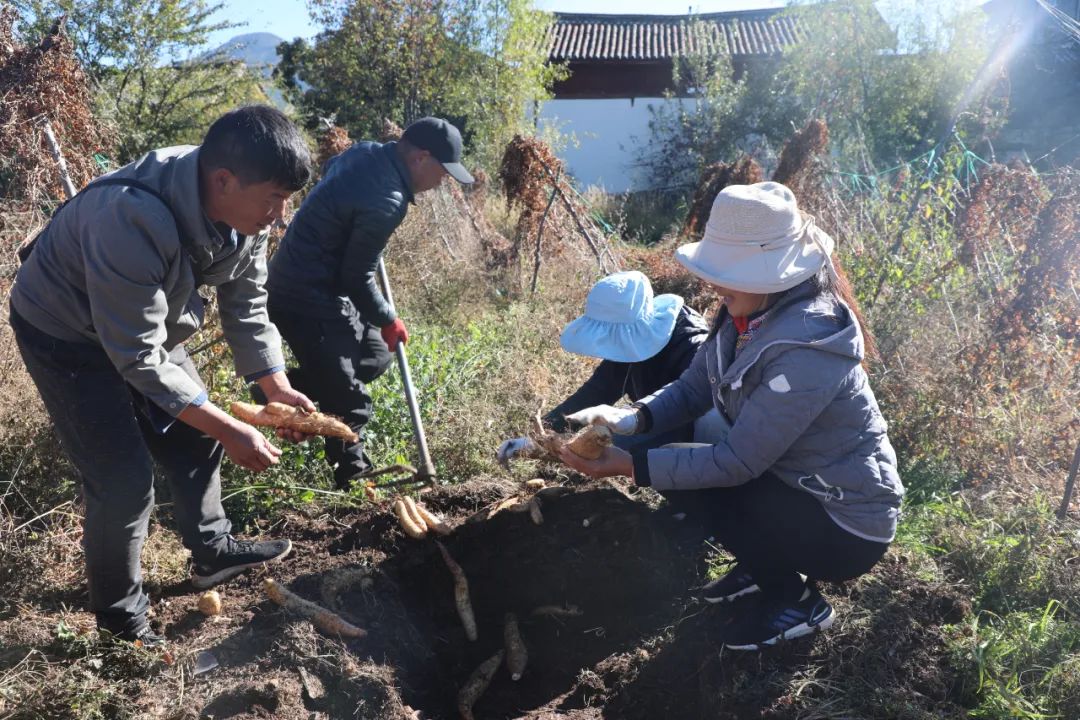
426,473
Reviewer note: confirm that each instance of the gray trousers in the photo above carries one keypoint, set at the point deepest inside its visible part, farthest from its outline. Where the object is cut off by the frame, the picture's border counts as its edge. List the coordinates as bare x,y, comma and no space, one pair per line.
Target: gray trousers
102,425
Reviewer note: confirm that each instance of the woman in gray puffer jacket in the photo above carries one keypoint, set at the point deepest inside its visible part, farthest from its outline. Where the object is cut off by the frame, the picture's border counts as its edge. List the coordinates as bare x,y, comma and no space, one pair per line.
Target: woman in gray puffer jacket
805,484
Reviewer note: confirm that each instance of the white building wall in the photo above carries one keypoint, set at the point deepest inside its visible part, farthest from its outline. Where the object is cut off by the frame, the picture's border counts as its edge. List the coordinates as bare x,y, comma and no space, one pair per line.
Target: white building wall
610,134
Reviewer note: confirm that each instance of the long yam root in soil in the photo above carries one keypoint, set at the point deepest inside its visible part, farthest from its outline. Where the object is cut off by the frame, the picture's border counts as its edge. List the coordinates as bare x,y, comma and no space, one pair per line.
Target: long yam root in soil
320,617
477,683
280,415
461,594
517,657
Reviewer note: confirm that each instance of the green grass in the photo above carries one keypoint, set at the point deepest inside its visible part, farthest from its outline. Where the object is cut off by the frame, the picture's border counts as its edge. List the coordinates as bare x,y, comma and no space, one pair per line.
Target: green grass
1019,652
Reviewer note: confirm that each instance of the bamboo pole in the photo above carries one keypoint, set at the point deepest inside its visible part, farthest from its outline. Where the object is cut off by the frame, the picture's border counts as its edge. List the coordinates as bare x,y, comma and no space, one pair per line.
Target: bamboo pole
58,156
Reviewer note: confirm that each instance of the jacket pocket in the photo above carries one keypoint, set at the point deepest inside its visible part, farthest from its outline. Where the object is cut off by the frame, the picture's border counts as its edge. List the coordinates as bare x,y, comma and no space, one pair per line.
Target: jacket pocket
816,485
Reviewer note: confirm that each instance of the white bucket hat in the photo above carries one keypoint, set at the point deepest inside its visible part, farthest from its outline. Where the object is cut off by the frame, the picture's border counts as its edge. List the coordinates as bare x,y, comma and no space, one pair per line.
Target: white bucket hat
623,322
757,241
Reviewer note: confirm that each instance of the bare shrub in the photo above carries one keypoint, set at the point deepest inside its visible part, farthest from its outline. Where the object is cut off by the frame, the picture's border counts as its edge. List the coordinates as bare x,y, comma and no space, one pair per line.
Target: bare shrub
716,177
333,141
37,83
534,184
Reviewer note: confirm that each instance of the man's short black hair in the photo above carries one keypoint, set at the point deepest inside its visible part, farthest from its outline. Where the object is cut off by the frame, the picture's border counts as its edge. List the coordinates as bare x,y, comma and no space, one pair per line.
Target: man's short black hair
257,143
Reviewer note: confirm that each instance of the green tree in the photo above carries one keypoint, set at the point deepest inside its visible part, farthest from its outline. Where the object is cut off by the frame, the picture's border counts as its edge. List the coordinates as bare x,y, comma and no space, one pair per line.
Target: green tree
700,121
149,81
478,62
886,93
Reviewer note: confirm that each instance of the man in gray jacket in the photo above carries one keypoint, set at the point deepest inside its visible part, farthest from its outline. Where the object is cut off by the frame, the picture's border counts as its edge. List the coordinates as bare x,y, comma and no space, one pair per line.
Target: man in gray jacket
101,308
324,296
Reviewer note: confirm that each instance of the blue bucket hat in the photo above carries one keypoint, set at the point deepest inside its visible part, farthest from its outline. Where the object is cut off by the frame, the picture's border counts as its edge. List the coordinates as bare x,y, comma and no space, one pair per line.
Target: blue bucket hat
623,322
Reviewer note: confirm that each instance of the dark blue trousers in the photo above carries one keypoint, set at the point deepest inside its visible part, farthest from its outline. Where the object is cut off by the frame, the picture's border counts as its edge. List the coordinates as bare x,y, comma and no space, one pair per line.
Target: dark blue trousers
337,359
101,424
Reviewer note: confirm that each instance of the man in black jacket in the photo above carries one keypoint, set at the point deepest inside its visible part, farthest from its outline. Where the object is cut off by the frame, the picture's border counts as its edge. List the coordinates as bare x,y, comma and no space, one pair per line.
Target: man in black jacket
643,343
323,293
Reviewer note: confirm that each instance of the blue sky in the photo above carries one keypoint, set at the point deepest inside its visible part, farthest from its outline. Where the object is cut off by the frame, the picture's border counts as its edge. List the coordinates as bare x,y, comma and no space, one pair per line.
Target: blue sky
289,18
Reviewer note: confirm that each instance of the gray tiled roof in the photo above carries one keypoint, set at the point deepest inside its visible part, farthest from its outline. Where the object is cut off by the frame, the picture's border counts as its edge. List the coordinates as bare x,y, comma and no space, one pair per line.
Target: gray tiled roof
579,36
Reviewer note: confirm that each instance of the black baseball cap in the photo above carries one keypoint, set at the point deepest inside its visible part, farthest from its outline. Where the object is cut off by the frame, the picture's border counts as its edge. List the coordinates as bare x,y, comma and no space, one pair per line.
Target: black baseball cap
443,141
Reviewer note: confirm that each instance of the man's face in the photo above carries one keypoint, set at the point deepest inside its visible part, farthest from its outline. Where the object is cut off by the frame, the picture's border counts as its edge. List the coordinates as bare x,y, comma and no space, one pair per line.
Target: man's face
427,172
248,208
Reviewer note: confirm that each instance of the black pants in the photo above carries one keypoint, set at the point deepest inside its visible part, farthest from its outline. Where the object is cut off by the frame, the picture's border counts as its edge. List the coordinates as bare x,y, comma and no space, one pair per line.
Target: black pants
337,358
106,435
777,532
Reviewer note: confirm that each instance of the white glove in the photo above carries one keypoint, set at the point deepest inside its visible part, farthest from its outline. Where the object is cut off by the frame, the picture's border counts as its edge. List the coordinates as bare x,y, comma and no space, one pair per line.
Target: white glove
622,421
514,447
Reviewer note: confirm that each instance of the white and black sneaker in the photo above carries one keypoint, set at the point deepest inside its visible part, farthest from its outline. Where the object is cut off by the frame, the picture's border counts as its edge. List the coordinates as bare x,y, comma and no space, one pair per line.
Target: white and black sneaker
238,556
736,583
772,622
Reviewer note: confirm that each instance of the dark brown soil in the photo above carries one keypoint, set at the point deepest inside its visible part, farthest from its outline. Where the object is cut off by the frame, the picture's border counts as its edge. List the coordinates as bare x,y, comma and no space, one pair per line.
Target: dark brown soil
642,646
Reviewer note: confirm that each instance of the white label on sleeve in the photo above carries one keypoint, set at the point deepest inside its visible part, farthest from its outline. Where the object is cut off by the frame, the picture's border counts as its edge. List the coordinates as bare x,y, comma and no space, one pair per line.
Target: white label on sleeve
779,384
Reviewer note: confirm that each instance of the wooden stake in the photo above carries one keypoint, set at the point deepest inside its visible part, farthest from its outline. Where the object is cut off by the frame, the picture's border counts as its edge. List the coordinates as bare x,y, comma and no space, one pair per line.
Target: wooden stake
1069,483
58,156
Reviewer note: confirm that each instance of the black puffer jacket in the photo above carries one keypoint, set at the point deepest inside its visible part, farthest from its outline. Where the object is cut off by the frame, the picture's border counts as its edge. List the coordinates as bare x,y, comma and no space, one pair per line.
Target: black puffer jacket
611,380
327,262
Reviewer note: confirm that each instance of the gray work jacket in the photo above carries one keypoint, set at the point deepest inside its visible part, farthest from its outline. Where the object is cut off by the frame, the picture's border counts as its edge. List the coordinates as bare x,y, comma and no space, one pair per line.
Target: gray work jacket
800,406
109,269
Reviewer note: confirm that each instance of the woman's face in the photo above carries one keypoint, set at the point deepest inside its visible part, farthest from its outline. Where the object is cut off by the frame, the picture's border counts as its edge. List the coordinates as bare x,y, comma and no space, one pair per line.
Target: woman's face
740,304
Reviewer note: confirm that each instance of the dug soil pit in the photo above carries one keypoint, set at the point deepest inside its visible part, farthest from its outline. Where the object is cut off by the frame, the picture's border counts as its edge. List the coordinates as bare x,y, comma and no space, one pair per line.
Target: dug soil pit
604,596
597,577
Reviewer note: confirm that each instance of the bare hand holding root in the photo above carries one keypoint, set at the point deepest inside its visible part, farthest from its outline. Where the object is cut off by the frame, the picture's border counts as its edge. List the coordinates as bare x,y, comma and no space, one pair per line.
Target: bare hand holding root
611,462
292,398
249,448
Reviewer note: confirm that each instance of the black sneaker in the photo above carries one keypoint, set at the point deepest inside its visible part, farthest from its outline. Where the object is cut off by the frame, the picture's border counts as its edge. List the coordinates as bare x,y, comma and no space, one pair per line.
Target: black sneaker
238,556
143,637
772,622
734,585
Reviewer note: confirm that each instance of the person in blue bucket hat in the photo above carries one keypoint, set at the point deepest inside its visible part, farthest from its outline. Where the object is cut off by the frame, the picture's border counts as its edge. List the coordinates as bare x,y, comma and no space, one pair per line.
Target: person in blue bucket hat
643,342
804,487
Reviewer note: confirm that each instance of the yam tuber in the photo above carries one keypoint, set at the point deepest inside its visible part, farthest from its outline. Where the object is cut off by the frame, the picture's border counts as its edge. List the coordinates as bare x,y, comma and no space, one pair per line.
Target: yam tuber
210,603
477,683
433,521
588,442
517,656
534,511
407,523
461,594
320,617
280,415
557,611
510,503
414,513
535,484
